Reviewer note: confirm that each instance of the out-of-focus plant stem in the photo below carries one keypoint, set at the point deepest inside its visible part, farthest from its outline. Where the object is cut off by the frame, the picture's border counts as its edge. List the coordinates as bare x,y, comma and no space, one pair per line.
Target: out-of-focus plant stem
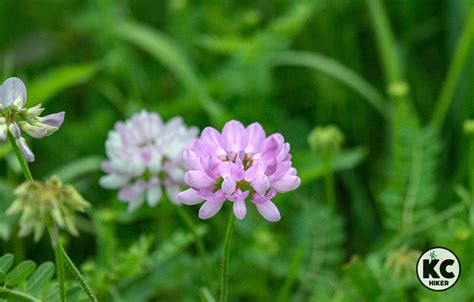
201,248
329,186
454,71
59,271
471,177
225,259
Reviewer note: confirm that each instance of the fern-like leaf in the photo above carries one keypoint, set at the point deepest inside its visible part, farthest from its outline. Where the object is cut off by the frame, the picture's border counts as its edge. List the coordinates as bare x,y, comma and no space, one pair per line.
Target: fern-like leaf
24,282
411,184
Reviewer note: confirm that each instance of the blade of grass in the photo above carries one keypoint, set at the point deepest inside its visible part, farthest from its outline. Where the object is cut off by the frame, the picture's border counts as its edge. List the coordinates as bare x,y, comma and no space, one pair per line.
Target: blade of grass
454,71
337,71
46,86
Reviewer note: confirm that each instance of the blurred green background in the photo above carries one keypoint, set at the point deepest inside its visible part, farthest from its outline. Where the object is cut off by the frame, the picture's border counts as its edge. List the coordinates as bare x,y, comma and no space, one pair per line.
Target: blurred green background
400,180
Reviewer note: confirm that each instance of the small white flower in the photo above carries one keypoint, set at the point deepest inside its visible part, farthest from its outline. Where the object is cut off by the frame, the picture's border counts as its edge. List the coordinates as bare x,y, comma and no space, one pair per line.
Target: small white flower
14,117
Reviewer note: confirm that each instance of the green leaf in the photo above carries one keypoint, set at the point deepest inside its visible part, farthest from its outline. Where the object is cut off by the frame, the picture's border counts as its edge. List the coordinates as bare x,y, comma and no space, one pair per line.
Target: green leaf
42,89
52,293
77,168
6,262
311,166
411,184
169,53
73,294
20,273
206,295
40,278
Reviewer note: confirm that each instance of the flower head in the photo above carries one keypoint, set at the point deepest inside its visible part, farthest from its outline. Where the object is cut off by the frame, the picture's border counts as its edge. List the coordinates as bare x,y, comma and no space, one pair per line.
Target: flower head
14,117
144,154
235,164
49,204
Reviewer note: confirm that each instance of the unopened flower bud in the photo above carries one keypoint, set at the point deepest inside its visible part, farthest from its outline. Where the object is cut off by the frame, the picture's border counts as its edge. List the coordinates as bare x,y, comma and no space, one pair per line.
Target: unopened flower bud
326,140
469,127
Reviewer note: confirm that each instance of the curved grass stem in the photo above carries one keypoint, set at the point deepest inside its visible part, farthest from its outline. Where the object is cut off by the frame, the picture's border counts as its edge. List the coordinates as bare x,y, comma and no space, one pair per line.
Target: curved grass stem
454,71
76,274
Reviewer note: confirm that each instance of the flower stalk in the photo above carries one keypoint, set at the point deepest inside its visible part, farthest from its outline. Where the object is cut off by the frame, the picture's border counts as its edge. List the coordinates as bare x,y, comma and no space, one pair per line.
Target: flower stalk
225,259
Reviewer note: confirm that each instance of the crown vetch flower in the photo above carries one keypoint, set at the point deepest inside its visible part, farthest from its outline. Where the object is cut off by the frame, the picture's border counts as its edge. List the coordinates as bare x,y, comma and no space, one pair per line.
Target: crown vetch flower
235,164
144,154
14,117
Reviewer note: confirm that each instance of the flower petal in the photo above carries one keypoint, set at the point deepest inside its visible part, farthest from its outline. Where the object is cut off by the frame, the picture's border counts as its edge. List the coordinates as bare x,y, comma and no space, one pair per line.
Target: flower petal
234,137
113,181
3,132
190,160
286,183
25,150
13,90
240,210
15,130
210,143
172,192
269,211
53,120
260,183
189,197
153,195
256,136
271,147
228,185
209,209
33,131
197,179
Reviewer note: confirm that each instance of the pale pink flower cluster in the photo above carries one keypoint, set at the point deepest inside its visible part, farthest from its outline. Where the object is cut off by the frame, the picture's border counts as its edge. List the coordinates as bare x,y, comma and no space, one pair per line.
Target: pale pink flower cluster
237,164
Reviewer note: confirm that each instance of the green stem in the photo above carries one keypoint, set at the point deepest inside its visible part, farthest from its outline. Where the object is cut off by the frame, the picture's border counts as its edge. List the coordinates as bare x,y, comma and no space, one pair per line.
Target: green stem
330,193
60,271
21,159
454,71
385,41
225,259
76,274
20,295
329,186
471,177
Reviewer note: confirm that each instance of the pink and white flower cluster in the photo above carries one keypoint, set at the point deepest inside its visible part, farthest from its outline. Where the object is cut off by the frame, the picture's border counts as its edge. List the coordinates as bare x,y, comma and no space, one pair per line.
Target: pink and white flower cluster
144,155
234,165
